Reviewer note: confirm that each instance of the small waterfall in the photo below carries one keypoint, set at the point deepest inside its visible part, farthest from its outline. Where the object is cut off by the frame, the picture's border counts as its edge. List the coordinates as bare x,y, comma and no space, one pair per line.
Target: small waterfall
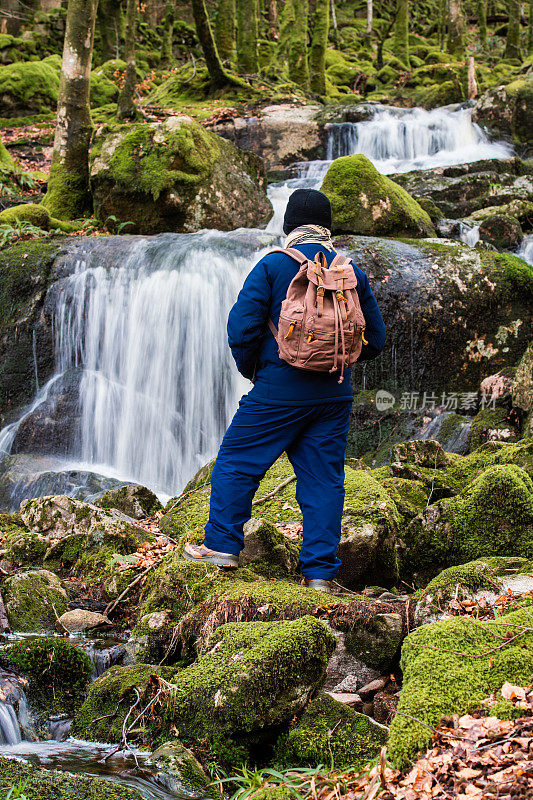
15,722
9,725
469,234
526,249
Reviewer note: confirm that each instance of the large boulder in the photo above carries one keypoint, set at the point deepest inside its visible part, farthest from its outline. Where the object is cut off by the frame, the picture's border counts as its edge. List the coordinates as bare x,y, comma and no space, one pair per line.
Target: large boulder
331,733
502,231
449,667
492,516
508,110
34,600
281,135
133,500
365,202
251,677
435,298
176,176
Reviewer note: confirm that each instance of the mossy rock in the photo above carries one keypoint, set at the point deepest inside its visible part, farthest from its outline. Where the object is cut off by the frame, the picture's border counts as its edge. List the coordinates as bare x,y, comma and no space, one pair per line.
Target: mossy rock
176,176
502,231
448,668
492,516
43,784
23,547
522,389
463,470
37,215
332,734
439,94
434,212
410,496
103,90
508,110
180,767
33,599
491,424
365,202
28,87
133,500
251,677
58,672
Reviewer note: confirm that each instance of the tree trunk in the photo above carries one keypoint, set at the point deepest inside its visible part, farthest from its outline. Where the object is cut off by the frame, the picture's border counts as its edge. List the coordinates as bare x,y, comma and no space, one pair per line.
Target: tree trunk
167,55
293,40
109,25
219,77
456,28
400,45
334,23
319,44
225,29
482,21
126,108
68,194
247,36
472,83
369,16
530,29
512,45
273,18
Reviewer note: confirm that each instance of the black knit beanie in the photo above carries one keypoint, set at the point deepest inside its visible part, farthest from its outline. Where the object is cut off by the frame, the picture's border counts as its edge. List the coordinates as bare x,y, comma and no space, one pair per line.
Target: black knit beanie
307,207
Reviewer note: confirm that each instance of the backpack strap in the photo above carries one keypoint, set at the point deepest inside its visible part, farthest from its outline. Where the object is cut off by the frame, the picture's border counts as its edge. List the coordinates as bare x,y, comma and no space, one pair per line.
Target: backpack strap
340,261
292,252
272,328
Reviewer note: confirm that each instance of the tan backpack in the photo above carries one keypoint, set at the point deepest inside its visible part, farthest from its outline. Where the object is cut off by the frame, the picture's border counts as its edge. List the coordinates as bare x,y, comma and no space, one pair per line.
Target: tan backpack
321,325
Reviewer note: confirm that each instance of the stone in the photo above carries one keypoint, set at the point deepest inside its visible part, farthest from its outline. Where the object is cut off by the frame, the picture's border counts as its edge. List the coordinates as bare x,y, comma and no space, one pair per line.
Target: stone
79,620
348,684
176,176
33,600
502,231
371,688
134,500
365,202
343,663
347,698
522,387
180,773
265,545
508,110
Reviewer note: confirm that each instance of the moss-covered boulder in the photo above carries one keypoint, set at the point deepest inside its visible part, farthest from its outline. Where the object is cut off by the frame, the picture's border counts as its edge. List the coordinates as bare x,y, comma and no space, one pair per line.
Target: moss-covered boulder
133,500
266,550
179,772
43,784
492,516
37,215
464,470
252,676
365,202
491,425
29,87
176,176
522,389
502,231
34,599
449,667
333,734
57,672
508,110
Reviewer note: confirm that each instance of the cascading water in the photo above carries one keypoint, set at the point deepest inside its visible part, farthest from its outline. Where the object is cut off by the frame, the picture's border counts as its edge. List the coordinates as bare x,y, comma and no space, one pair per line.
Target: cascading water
526,249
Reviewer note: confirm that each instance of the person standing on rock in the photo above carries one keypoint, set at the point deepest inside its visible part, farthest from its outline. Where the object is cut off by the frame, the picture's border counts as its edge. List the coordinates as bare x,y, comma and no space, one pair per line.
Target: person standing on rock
303,409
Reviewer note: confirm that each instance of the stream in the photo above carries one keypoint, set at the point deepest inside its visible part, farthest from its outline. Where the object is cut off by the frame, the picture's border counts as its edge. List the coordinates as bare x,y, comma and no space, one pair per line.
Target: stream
140,334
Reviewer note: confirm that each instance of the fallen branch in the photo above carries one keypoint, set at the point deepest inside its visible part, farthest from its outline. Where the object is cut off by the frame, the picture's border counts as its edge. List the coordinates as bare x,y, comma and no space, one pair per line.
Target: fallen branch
275,491
114,603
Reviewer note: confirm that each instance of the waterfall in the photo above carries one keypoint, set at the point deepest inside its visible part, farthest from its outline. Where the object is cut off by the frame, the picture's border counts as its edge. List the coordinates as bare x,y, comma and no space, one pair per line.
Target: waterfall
9,725
526,249
142,323
400,140
469,234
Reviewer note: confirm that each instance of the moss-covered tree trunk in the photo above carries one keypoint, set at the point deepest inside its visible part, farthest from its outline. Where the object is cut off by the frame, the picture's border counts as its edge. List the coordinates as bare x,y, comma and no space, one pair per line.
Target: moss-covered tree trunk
217,74
442,23
401,32
319,44
512,44
225,29
482,21
7,164
273,18
68,194
530,29
167,56
369,16
456,28
126,108
247,36
109,22
292,40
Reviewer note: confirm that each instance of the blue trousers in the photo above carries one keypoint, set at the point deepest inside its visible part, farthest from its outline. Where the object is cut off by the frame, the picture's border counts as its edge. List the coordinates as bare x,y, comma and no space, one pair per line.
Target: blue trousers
314,438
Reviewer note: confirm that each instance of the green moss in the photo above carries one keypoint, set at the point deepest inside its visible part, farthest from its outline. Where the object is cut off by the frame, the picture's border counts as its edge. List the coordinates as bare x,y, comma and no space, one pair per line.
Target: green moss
492,516
23,547
488,421
58,671
440,682
34,599
38,215
366,202
41,784
250,678
483,573
103,90
410,496
511,270
464,470
28,86
331,734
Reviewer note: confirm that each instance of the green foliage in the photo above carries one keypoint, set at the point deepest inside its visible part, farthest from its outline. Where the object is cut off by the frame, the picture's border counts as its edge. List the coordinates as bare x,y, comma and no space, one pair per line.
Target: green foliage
30,86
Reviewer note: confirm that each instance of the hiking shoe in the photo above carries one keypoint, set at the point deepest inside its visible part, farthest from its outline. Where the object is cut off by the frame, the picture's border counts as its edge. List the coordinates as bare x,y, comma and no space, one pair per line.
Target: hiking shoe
319,585
203,555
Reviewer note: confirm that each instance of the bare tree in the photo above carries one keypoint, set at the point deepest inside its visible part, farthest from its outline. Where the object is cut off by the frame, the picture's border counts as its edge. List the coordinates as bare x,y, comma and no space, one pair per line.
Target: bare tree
68,195
369,16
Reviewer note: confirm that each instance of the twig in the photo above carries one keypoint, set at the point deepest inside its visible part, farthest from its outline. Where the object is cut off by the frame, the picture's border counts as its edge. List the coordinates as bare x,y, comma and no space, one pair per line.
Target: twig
114,603
425,724
272,494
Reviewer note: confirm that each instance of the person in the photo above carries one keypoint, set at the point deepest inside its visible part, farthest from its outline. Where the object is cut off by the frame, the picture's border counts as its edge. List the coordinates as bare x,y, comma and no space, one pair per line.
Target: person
306,414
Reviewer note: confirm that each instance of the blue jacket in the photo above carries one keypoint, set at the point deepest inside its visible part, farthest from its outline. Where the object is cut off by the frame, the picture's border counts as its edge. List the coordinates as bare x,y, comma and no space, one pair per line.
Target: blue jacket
255,349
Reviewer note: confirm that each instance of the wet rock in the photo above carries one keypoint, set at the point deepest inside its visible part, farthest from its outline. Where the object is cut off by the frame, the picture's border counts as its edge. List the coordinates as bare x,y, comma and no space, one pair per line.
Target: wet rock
34,599
215,186
251,676
492,425
133,500
501,231
331,732
365,202
180,773
80,620
508,110
522,387
423,453
279,134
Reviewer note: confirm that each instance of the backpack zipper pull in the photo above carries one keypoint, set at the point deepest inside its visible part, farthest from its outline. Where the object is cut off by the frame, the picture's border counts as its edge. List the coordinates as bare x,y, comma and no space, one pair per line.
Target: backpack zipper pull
310,337
291,329
363,336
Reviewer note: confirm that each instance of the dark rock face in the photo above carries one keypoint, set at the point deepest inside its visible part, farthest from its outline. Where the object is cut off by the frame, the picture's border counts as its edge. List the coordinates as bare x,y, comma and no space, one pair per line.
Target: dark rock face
508,110
504,232
176,177
462,190
454,315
